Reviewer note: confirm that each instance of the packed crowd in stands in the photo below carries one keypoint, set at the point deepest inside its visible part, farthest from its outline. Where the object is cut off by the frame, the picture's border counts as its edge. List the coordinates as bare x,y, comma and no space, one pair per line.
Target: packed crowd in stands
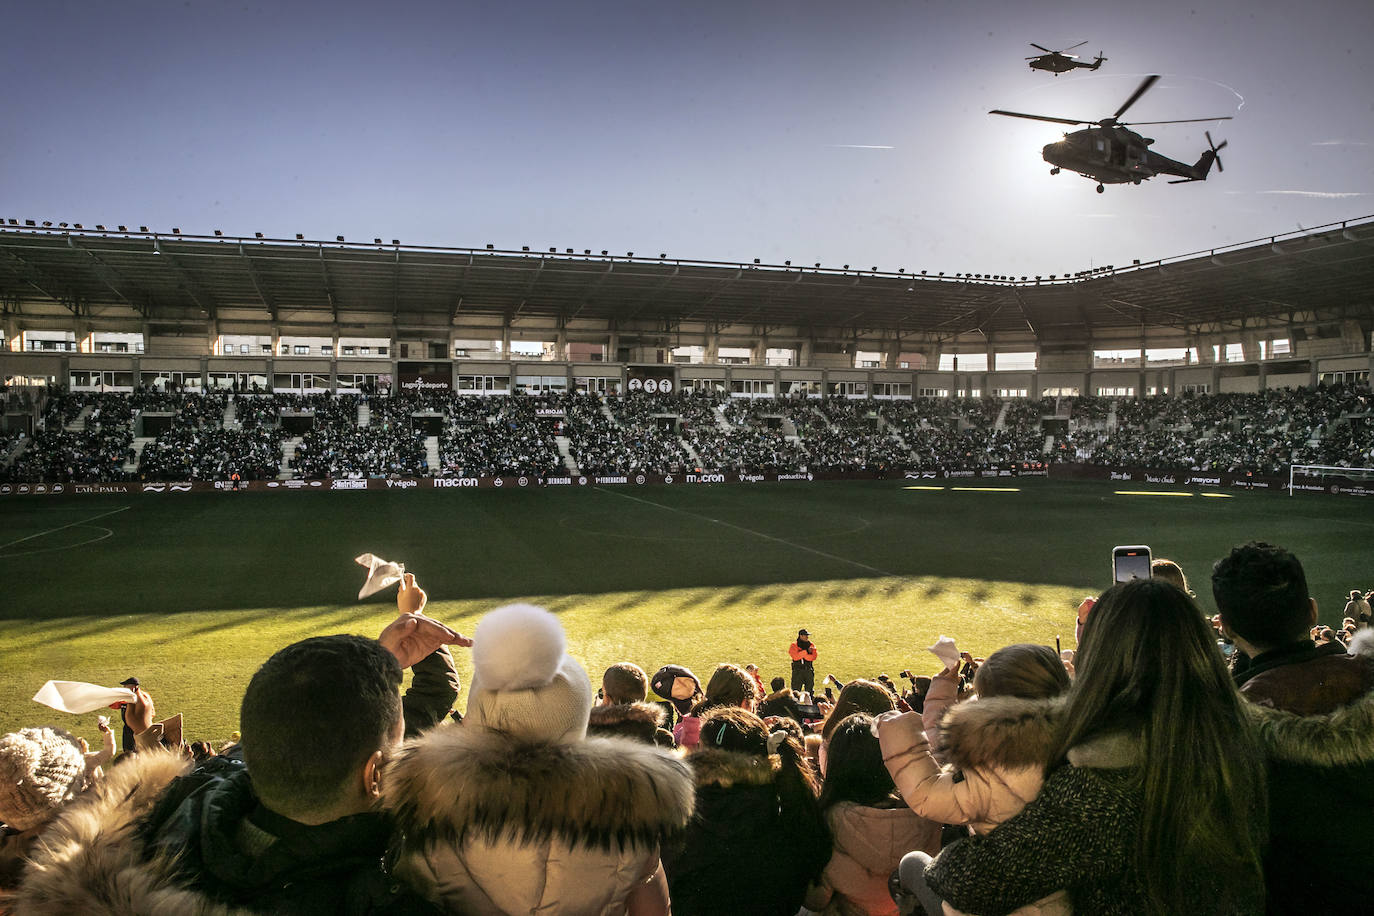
358,435
1169,764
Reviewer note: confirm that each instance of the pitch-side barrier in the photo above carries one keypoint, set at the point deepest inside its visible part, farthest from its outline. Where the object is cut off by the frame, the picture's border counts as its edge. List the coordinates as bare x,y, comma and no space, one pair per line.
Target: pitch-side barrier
1204,480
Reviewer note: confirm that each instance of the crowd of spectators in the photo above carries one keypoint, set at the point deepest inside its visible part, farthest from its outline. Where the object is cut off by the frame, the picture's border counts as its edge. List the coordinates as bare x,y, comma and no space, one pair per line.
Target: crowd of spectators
1260,433
1165,765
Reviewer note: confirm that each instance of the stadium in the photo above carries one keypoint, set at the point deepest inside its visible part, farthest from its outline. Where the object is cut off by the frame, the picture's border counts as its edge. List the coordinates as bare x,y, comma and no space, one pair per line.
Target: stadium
818,434
624,459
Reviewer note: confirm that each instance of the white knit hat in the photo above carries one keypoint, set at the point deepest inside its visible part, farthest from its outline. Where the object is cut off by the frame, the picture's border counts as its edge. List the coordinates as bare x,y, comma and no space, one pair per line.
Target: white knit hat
41,769
523,682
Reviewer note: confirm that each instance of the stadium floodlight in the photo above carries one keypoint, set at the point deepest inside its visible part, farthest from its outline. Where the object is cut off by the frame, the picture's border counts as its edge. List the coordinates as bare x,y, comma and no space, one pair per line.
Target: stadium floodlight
176,231
663,254
121,228
47,224
874,268
901,270
629,254
13,221
257,235
553,251
338,238
299,236
756,260
524,248
63,225
490,246
217,232
786,263
98,227
395,241
76,225
140,228
586,251
568,251
604,251
375,241
846,267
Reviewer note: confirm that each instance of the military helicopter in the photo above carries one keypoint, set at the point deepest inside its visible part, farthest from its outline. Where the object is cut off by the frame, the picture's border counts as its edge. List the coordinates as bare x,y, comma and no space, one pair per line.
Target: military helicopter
1111,154
1058,62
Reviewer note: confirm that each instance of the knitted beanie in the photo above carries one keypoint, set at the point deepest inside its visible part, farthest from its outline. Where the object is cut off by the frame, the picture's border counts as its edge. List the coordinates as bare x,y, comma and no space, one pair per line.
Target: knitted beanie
41,769
523,682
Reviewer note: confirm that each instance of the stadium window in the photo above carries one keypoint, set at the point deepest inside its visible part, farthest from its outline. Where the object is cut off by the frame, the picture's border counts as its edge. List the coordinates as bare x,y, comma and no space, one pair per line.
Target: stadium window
1116,357
867,359
381,351
1059,392
689,355
243,349
1235,352
1015,362
1010,392
1200,388
1166,355
1118,392
1279,346
780,356
934,392
302,350
326,350
349,351
967,362
734,356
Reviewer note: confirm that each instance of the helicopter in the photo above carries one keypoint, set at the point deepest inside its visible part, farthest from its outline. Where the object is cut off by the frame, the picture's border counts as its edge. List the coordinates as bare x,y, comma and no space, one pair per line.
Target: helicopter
1058,62
1111,154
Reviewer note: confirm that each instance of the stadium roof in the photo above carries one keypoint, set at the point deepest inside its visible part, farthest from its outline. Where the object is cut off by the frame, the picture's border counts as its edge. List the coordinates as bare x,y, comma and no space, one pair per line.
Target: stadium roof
1314,275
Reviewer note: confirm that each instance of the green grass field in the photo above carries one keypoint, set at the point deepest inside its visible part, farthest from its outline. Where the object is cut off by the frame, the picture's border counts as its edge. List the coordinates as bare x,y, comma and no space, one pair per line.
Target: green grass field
191,592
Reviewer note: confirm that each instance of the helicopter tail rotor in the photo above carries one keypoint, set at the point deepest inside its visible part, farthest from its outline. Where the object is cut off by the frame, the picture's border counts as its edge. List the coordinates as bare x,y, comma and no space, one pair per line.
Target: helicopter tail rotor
1216,149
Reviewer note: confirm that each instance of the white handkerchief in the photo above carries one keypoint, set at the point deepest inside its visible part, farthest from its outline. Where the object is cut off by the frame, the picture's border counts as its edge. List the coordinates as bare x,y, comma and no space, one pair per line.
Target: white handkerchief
945,650
380,574
78,697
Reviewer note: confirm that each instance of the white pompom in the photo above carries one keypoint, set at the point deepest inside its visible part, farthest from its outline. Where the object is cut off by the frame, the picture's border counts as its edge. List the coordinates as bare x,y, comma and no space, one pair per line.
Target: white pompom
517,647
1363,643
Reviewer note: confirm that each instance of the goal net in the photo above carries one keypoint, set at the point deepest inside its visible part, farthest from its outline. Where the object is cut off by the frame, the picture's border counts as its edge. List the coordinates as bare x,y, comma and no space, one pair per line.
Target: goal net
1314,477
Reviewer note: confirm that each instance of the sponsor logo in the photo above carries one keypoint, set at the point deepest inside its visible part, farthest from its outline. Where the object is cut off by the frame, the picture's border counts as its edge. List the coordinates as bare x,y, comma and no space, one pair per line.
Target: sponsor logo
751,478
317,483
549,412
581,481
990,472
1004,473
442,482
667,478
499,482
402,484
23,488
639,479
1043,472
1206,481
345,484
273,483
523,481
225,485
706,478
57,488
558,481
1121,475
420,384
794,477
928,475
40,488
93,488
958,473
154,488
293,484
613,479
6,489
179,487
909,475
1161,478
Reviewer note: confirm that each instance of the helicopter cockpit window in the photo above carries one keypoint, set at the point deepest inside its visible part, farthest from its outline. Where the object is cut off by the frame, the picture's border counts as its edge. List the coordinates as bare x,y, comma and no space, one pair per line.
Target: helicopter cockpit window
1101,145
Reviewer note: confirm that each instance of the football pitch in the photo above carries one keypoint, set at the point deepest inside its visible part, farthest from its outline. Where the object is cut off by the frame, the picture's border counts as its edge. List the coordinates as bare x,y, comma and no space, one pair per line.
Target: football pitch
191,592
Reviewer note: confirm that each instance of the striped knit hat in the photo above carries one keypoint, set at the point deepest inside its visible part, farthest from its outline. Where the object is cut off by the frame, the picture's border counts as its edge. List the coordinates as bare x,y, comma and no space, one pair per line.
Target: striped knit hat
41,769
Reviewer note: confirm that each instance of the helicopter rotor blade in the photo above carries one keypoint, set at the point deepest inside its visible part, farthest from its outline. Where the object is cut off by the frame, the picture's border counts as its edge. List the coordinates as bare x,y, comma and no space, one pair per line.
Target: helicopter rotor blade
1079,45
1143,88
1180,121
1216,150
1031,117
1046,50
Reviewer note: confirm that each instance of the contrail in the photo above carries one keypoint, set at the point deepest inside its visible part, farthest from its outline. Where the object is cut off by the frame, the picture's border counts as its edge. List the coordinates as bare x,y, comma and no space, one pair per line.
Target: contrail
859,146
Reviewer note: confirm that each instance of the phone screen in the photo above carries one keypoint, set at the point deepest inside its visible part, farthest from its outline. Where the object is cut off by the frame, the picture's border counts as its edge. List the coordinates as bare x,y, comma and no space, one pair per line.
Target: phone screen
1130,563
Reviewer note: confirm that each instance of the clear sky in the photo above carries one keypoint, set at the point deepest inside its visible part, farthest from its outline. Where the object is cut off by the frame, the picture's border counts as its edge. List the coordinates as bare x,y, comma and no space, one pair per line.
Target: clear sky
852,132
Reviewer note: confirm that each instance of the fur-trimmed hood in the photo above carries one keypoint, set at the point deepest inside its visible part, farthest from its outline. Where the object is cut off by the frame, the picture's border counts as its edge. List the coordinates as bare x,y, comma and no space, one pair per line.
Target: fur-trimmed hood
599,792
1004,732
90,860
640,721
714,767
1340,739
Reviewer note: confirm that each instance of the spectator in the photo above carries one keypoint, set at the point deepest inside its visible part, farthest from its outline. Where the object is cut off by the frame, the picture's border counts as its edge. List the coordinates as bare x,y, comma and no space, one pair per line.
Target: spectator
291,827
1154,800
780,702
41,770
678,687
758,836
1172,573
997,751
871,827
622,710
513,811
730,685
1316,716
1357,608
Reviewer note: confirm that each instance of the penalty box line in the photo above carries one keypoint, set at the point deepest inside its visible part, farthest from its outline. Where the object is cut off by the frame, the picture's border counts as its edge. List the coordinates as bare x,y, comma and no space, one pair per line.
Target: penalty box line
61,528
766,537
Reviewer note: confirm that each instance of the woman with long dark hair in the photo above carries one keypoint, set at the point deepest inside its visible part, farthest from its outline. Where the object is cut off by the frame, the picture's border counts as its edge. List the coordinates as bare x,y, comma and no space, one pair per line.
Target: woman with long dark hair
757,837
1154,800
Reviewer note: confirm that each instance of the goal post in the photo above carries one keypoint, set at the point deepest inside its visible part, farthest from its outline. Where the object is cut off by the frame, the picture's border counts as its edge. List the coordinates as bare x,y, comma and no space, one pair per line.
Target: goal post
1316,473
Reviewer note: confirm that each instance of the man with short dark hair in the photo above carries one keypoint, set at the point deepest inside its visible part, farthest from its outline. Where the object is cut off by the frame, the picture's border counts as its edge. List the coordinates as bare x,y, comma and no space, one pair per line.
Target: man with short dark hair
622,710
1261,593
294,827
1315,712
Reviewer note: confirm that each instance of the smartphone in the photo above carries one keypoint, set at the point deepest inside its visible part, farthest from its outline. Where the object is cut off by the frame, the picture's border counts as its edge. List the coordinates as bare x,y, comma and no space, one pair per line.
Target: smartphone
1057,649
1131,562
809,712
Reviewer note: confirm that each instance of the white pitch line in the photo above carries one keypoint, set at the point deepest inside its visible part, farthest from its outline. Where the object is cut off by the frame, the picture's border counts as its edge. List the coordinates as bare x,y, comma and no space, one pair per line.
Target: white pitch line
767,537
61,527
